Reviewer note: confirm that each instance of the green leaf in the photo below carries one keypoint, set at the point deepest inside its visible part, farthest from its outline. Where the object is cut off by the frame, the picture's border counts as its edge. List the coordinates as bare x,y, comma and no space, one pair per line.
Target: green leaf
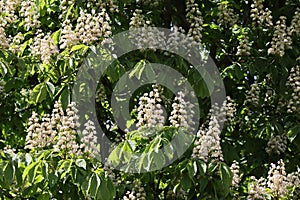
81,163
50,89
9,173
138,69
93,186
293,132
56,36
78,47
28,169
39,93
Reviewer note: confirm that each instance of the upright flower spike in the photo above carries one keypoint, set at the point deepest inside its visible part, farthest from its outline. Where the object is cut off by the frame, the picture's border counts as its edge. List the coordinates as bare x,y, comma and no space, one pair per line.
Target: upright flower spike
8,10
236,179
226,16
281,40
89,140
244,45
92,27
150,112
295,24
182,114
43,47
259,15
4,41
277,145
194,17
208,142
29,11
293,82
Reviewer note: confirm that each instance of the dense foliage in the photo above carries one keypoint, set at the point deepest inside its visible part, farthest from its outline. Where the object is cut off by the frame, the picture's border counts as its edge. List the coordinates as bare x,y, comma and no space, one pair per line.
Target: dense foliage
50,150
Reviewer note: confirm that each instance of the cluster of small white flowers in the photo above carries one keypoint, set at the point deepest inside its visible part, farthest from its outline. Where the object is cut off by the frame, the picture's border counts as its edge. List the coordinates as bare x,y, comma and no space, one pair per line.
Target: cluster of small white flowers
66,140
16,43
278,184
137,192
276,145
146,36
177,40
4,41
68,36
295,23
182,114
60,130
281,39
150,111
293,82
194,17
43,47
37,134
235,170
29,11
8,12
260,15
91,27
253,94
63,6
207,145
1,88
244,45
180,194
137,20
226,112
9,150
151,3
109,5
114,177
277,180
89,139
257,189
226,15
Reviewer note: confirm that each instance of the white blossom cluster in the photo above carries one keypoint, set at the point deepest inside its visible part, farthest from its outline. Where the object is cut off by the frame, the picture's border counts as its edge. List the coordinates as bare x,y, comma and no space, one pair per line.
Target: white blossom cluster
68,35
16,41
90,27
225,112
114,177
256,189
9,150
281,39
244,45
276,145
235,170
60,130
207,145
182,114
1,88
138,20
146,36
4,41
226,15
179,194
253,94
89,139
260,15
150,110
151,3
295,23
29,11
8,10
64,4
137,192
278,183
194,17
293,82
43,47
